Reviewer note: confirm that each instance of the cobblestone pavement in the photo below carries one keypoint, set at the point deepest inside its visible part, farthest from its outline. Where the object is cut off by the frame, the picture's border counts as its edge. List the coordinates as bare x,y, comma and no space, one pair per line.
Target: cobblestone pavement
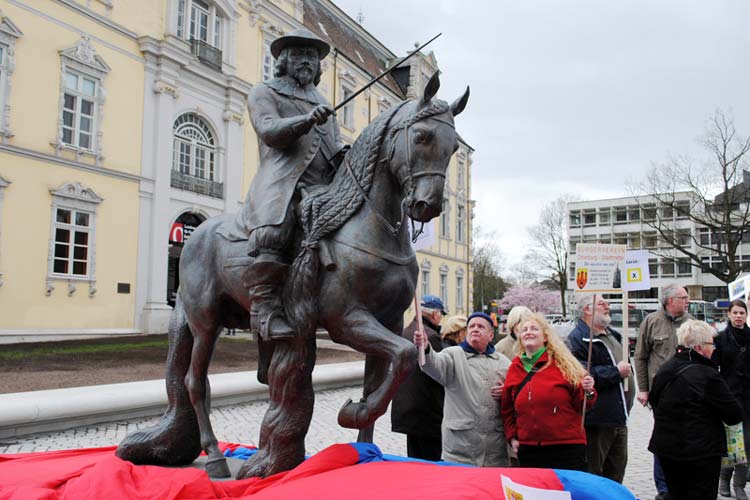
241,424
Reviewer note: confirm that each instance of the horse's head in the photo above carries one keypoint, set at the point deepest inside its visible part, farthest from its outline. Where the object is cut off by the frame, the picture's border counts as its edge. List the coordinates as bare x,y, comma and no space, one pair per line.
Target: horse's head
423,141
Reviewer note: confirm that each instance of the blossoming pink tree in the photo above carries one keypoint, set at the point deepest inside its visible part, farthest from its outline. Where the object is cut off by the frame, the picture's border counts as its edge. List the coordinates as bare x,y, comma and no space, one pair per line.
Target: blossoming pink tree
534,297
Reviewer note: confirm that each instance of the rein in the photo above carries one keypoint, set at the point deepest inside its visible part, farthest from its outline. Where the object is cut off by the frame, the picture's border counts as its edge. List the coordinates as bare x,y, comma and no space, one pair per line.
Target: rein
403,126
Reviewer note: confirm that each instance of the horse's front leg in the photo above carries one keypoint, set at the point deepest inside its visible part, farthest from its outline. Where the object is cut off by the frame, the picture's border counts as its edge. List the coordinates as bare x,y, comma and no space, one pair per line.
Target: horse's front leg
361,331
376,369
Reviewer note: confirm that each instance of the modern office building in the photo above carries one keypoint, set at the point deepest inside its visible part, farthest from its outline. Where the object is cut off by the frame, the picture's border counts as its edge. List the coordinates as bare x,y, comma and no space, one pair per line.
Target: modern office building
626,220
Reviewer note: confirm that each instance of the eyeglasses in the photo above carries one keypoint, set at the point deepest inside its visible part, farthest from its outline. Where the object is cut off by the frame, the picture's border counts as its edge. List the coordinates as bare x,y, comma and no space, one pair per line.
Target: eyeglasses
682,297
708,343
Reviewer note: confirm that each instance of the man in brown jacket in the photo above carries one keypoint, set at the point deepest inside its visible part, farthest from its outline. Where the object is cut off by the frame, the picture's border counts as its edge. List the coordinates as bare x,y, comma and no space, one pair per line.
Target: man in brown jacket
657,341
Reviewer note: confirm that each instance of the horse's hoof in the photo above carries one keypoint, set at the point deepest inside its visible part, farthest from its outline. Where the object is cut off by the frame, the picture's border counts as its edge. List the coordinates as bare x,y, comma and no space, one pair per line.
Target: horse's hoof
170,442
217,467
353,415
255,466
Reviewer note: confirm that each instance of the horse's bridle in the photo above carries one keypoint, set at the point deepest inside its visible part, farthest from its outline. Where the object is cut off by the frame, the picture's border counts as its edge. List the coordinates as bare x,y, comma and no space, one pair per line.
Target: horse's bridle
410,175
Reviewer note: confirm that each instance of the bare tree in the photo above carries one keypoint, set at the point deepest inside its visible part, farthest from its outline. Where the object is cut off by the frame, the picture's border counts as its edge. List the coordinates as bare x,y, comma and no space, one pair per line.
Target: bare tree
488,284
548,252
714,196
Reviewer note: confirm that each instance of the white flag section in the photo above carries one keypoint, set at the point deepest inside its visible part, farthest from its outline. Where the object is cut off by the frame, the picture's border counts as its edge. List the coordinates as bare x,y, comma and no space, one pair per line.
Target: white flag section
427,238
515,491
739,288
637,276
599,267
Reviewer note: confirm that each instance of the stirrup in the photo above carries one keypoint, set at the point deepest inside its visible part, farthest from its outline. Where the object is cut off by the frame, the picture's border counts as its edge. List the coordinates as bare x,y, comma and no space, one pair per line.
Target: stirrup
282,331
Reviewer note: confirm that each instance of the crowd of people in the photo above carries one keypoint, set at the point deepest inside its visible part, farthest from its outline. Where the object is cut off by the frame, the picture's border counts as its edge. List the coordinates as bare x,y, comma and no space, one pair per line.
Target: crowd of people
536,400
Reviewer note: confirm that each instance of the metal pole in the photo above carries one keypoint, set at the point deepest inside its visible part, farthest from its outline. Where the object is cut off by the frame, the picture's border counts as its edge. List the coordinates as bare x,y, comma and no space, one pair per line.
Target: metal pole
381,75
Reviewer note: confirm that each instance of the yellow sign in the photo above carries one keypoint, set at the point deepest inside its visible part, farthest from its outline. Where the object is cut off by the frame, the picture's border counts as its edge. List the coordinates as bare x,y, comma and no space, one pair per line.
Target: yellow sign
635,275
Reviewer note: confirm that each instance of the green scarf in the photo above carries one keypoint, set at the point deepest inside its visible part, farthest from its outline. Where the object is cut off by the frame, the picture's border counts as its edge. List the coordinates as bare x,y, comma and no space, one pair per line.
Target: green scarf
530,361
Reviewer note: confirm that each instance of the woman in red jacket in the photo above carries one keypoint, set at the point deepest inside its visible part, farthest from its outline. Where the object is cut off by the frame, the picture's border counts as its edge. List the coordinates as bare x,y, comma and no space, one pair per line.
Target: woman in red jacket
542,400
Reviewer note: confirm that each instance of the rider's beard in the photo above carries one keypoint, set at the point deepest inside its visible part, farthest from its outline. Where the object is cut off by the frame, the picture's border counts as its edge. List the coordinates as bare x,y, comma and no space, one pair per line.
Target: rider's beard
303,75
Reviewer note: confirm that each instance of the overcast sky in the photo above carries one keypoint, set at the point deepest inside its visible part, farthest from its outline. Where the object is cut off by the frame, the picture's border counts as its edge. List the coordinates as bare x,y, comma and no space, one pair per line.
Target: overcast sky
574,97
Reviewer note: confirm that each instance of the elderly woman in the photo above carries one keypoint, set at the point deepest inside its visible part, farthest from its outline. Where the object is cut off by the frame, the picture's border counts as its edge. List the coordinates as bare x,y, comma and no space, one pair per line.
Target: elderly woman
690,401
734,365
509,345
543,398
454,331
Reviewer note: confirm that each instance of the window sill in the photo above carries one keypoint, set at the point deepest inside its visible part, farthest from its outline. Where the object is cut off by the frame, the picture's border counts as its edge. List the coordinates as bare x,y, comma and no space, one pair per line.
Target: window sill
61,146
73,283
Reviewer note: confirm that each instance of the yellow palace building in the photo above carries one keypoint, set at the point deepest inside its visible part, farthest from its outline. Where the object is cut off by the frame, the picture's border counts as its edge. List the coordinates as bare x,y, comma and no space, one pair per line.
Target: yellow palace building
124,125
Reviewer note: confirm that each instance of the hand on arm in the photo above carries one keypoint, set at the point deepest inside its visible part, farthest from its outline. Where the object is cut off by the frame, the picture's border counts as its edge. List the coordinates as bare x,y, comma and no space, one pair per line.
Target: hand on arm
497,390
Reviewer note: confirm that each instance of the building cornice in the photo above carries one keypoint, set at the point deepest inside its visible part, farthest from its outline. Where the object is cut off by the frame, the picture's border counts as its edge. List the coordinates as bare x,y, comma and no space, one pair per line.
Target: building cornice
46,158
95,17
442,256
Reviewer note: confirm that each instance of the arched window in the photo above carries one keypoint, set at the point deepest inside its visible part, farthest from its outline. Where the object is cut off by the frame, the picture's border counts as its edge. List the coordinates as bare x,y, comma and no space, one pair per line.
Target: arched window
194,147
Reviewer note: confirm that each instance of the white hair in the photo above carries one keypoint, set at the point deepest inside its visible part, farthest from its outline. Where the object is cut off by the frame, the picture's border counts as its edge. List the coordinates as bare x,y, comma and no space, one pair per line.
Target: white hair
426,311
693,332
584,299
670,291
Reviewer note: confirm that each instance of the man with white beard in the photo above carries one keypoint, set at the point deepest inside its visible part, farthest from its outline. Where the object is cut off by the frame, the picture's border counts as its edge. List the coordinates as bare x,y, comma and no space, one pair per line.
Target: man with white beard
606,423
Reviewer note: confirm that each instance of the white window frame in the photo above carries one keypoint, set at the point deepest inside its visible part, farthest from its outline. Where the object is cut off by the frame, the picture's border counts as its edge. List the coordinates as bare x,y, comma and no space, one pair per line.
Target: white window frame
425,277
76,129
201,138
4,183
76,198
459,291
187,28
445,219
460,222
9,34
443,285
81,60
461,169
267,61
347,112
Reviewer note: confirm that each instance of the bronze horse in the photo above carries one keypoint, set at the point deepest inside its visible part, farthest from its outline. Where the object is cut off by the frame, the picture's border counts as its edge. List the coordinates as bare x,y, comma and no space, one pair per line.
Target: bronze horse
396,168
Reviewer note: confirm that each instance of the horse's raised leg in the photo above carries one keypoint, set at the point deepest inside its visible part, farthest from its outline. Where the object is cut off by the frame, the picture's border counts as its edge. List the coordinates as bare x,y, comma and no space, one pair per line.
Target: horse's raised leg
375,371
205,332
282,434
175,439
361,331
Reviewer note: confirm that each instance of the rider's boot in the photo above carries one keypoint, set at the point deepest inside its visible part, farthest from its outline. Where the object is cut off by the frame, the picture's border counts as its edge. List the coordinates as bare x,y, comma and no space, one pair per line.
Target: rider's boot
264,279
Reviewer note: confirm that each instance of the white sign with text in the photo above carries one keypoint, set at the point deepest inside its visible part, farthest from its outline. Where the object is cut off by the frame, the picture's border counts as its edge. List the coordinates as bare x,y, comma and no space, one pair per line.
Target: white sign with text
599,267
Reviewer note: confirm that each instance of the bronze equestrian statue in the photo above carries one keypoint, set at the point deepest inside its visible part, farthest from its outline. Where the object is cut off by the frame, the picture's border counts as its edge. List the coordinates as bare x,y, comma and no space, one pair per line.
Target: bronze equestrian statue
315,253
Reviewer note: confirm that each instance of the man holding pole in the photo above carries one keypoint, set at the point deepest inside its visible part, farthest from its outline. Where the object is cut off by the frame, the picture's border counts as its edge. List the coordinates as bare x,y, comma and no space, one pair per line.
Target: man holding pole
606,423
472,374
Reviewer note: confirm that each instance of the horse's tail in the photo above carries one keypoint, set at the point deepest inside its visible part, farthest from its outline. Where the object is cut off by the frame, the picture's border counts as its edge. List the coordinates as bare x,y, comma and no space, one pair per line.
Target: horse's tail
300,292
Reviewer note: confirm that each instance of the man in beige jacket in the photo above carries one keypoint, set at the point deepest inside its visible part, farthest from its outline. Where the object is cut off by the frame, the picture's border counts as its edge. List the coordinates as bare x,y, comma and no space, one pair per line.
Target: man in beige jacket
472,374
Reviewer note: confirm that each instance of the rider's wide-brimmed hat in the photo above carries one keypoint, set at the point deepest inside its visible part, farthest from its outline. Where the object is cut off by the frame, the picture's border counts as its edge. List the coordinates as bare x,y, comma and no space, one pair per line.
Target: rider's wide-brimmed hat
300,37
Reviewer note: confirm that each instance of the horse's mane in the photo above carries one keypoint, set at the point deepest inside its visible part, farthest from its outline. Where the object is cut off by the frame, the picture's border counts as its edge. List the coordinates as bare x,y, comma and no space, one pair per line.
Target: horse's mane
323,211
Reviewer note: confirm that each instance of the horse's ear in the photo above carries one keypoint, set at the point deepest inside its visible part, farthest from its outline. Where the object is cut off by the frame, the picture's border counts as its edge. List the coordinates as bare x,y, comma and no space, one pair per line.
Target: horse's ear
460,103
432,87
